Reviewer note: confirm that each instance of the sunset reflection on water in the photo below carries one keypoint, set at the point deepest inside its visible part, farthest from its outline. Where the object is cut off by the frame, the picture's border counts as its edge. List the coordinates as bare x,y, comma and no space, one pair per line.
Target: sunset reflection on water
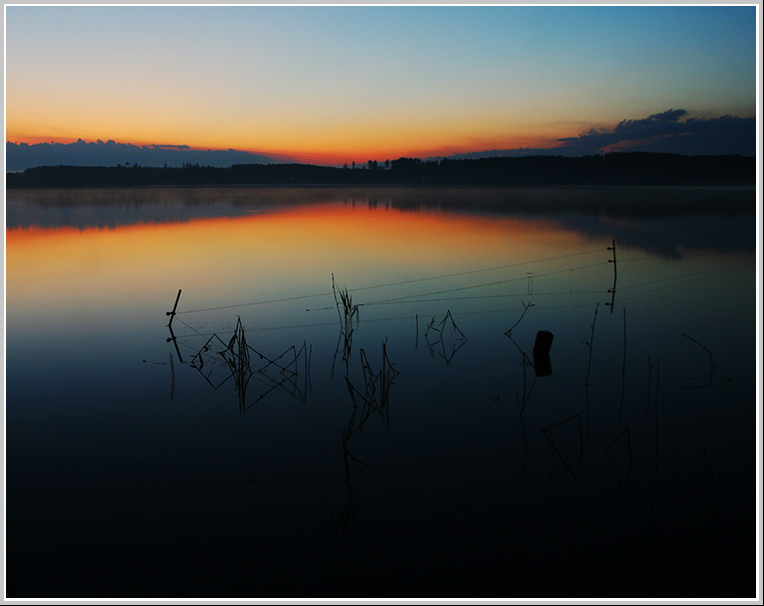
281,253
123,433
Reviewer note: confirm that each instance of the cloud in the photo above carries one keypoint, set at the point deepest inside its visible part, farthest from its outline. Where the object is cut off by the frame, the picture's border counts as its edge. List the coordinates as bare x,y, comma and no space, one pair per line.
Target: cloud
667,132
671,115
20,156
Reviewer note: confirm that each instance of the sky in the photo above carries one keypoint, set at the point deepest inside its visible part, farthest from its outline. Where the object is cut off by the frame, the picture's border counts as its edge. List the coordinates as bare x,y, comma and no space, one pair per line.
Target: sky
335,84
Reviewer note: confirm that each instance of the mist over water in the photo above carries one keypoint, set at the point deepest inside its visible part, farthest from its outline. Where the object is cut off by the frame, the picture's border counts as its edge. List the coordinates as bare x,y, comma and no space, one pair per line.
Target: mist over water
351,399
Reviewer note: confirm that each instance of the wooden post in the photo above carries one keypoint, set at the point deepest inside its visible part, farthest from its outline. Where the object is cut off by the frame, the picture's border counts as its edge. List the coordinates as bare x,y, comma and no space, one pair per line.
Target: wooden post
542,364
172,313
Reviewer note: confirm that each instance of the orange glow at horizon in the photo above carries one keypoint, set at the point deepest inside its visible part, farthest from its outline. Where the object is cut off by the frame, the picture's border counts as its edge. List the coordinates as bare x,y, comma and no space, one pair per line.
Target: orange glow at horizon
329,153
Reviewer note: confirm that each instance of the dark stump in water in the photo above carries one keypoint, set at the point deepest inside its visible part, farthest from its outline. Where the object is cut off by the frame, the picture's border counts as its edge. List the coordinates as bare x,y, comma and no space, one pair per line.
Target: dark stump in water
541,361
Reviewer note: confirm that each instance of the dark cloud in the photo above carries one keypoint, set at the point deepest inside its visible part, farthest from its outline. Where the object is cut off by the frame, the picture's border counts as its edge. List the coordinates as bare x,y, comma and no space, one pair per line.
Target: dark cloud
20,156
671,115
668,132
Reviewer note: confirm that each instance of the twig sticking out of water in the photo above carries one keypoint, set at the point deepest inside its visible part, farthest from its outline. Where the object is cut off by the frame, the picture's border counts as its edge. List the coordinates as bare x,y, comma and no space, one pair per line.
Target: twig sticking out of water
546,432
526,307
199,361
590,344
711,361
450,338
387,377
174,340
284,367
236,355
375,398
308,360
281,372
525,444
349,310
623,371
354,507
346,312
525,363
172,313
615,278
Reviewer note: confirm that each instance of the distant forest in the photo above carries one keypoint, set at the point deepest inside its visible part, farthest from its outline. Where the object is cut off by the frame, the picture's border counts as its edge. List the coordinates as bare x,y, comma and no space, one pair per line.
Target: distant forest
629,168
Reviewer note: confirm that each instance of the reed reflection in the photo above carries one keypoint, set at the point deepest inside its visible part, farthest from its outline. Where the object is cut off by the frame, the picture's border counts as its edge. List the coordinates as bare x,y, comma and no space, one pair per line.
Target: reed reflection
570,458
373,399
288,372
444,338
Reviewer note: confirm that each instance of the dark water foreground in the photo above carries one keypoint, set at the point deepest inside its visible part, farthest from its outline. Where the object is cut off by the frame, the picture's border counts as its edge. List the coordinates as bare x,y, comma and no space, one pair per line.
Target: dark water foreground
349,403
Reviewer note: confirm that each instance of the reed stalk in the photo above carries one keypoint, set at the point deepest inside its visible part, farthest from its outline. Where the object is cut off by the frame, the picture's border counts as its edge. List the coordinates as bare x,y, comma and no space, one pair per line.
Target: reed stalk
590,344
526,307
711,360
546,432
623,372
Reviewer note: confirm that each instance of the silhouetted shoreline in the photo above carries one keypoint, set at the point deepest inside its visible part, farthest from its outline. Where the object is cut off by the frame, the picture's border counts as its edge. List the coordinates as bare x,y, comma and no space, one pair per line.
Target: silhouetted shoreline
633,168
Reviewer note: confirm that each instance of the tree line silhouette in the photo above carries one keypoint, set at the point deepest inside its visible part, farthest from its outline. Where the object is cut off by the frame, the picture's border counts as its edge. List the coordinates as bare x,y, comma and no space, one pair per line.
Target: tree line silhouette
620,168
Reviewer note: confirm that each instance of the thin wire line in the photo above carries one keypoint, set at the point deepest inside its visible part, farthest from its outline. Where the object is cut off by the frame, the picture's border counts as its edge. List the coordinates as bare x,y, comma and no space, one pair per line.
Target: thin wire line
665,286
386,319
676,277
414,281
695,277
678,257
476,297
296,298
462,288
476,271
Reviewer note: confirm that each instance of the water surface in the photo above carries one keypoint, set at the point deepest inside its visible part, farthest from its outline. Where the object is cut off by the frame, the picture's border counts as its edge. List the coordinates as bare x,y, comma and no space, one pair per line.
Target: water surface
409,443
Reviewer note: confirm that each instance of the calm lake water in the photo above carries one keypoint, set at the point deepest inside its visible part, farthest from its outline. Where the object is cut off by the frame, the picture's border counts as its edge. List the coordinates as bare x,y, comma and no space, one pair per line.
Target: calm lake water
348,403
